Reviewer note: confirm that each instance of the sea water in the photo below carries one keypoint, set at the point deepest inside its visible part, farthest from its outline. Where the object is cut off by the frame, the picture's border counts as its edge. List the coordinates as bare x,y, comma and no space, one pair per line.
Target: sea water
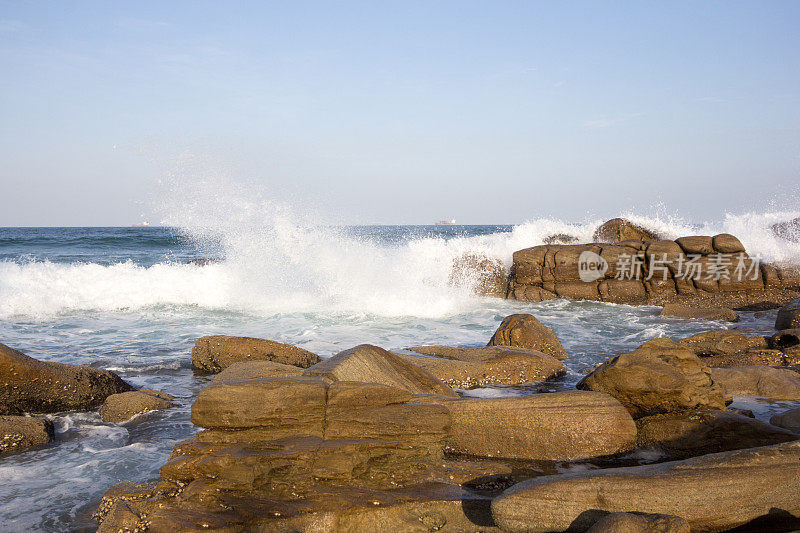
125,299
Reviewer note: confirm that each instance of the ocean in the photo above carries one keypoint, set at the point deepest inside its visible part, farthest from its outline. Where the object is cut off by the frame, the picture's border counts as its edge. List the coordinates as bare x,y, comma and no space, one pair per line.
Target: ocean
126,299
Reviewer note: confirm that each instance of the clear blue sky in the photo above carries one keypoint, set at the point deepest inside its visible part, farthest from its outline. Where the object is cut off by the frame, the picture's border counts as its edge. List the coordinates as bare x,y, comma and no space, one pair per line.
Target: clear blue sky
402,112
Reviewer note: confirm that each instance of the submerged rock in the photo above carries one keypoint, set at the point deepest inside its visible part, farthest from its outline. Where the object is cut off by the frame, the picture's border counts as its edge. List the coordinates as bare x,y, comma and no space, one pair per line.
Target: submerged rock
693,433
525,331
706,313
218,352
618,230
492,365
714,492
661,376
19,433
372,364
121,407
31,386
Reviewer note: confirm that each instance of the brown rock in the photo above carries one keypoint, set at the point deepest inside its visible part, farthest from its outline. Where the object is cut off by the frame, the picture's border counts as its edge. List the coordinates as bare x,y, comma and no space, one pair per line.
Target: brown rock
123,406
789,316
696,245
256,369
766,481
705,313
556,427
788,419
31,386
525,331
372,364
493,365
726,243
560,238
660,376
19,433
640,523
693,433
484,275
723,342
763,381
619,229
216,353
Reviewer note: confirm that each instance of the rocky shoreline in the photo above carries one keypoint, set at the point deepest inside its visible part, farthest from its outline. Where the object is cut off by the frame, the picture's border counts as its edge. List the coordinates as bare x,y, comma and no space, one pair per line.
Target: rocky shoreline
375,440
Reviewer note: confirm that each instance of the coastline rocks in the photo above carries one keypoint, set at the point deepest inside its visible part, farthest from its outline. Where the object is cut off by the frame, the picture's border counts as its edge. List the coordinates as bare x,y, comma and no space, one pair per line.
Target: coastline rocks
714,492
216,353
484,275
525,331
31,386
618,230
705,313
372,364
763,381
465,368
788,419
660,376
693,433
19,433
556,427
788,316
256,369
640,523
730,348
121,407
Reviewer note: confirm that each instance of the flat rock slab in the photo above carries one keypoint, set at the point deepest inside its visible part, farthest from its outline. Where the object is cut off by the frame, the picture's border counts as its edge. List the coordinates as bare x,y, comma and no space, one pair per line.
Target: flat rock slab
216,353
372,364
31,386
714,492
19,433
555,427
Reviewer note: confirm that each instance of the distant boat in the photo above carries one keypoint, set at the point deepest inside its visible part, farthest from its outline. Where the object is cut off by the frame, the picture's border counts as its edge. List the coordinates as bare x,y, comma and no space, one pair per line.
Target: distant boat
142,225
446,222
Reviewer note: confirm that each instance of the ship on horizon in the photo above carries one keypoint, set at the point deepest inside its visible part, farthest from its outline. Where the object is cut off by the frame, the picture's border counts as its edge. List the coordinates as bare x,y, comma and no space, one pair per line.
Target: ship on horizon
142,225
451,222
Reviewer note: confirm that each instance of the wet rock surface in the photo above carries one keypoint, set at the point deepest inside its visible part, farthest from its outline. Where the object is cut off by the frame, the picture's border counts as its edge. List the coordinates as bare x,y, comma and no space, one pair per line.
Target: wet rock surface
20,433
216,353
525,331
122,407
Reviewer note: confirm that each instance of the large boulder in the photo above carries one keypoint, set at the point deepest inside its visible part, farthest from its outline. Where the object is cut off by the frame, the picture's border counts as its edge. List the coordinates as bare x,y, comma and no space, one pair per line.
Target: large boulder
556,426
788,316
525,331
660,376
714,492
31,386
216,353
763,381
19,433
705,313
640,523
788,419
372,364
121,407
618,230
492,365
693,433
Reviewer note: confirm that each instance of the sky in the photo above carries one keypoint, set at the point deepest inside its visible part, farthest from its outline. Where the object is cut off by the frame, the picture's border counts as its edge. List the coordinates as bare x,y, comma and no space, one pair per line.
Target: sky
401,112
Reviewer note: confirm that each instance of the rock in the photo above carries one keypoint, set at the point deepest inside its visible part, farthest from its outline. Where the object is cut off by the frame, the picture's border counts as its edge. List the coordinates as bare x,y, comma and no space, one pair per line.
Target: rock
19,433
216,353
763,381
125,405
618,230
525,331
786,339
484,275
31,386
661,376
556,427
788,316
723,342
494,365
788,419
725,243
789,230
372,364
203,261
560,238
693,433
256,369
714,492
640,523
701,245
705,313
